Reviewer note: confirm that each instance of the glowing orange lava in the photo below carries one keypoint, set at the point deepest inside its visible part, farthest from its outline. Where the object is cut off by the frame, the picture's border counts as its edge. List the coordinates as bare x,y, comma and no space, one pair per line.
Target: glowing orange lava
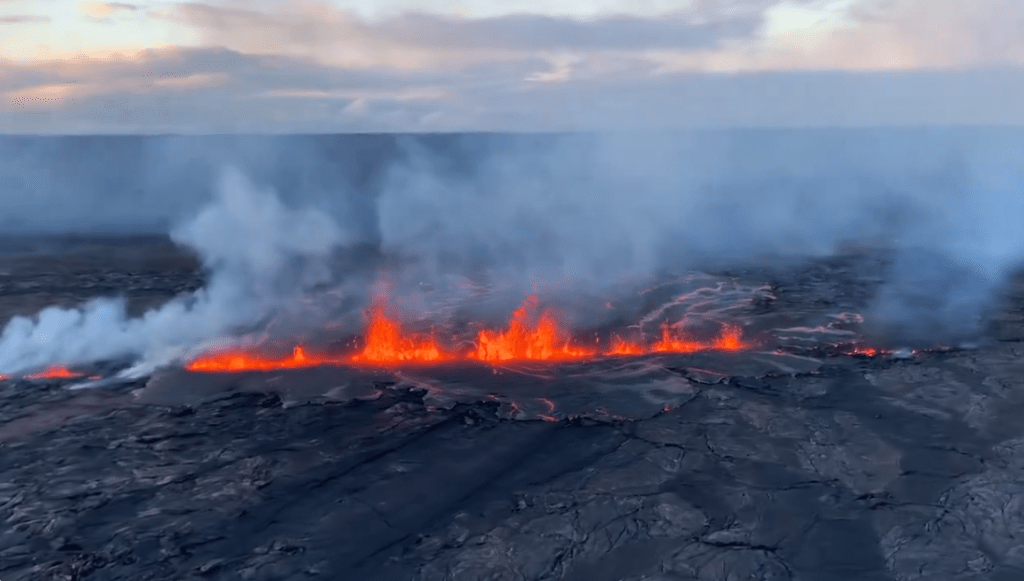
623,348
541,340
531,335
386,342
55,372
226,361
729,340
863,351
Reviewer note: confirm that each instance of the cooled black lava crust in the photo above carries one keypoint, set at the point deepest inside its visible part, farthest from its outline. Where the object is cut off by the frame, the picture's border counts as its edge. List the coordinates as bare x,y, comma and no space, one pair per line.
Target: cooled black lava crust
860,469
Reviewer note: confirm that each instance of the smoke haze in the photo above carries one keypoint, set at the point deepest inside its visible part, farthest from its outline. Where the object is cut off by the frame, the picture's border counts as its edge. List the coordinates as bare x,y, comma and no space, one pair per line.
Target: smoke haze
262,257
564,215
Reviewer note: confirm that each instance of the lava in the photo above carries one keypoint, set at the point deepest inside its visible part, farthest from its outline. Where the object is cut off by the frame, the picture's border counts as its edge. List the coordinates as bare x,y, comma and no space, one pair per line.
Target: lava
623,348
532,334
239,360
861,350
543,340
386,341
730,339
55,372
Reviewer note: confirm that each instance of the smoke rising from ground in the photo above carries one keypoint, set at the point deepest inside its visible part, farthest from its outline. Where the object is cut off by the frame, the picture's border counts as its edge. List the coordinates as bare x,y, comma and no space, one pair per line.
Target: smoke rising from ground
452,218
262,256
586,213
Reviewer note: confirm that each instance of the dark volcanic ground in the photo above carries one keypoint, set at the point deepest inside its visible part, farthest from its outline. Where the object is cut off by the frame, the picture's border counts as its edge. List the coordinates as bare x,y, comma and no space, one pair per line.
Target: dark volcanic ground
741,467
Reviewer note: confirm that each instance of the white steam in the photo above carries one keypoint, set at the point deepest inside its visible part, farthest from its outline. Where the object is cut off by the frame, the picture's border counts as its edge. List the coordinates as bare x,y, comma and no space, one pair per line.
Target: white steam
261,257
487,219
949,271
585,214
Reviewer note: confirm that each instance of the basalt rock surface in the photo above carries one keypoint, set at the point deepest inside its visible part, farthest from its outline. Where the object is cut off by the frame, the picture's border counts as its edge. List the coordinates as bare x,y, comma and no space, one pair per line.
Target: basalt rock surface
837,468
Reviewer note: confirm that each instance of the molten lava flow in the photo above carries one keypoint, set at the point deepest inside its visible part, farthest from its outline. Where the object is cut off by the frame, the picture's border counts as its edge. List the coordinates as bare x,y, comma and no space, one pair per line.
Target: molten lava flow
623,348
544,340
386,342
859,350
55,372
730,339
531,334
226,361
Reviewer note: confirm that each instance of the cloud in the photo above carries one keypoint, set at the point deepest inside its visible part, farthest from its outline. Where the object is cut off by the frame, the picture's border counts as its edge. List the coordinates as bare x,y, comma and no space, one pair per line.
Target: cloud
710,35
947,33
104,9
306,65
890,35
535,32
216,91
524,213
23,19
414,39
186,90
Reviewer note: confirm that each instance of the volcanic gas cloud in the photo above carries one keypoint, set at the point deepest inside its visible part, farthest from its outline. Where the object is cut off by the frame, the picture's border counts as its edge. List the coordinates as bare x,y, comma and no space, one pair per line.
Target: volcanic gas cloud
609,214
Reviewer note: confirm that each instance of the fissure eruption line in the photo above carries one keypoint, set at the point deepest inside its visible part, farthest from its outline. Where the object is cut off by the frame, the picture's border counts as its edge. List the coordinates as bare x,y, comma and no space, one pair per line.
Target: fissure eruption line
531,335
52,372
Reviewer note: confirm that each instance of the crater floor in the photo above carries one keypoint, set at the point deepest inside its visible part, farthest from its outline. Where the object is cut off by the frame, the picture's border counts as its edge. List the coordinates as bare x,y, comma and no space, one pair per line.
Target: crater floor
760,466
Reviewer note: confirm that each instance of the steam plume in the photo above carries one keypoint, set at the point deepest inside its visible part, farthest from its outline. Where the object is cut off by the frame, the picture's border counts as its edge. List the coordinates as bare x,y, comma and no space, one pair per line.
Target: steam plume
582,214
261,257
483,220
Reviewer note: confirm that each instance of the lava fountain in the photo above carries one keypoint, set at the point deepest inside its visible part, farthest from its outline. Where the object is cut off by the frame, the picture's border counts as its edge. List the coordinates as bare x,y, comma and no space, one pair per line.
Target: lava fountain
532,334
542,340
387,341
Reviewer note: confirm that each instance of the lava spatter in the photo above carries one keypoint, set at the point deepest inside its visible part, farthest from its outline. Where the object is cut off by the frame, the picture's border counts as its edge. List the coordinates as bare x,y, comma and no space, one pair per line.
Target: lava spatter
387,341
730,339
532,334
240,360
529,336
623,348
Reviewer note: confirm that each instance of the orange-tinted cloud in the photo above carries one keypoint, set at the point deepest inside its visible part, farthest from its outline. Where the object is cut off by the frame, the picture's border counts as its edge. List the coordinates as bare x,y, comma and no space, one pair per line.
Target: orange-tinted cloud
711,36
216,90
309,66
104,9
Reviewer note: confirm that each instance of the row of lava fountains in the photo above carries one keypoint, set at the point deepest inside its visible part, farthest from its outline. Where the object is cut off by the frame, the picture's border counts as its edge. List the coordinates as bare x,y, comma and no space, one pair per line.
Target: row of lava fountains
531,335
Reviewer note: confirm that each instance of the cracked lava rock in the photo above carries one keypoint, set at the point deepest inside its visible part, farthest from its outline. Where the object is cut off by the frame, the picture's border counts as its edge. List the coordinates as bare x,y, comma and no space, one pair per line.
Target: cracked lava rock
690,467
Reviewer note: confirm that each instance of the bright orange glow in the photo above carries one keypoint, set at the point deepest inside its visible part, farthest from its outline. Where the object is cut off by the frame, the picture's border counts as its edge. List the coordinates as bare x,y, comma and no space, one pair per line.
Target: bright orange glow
623,348
730,339
866,351
543,340
55,372
531,335
238,360
386,342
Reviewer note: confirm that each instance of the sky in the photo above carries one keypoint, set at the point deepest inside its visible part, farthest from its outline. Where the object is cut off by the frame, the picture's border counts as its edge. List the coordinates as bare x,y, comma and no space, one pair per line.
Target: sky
284,66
